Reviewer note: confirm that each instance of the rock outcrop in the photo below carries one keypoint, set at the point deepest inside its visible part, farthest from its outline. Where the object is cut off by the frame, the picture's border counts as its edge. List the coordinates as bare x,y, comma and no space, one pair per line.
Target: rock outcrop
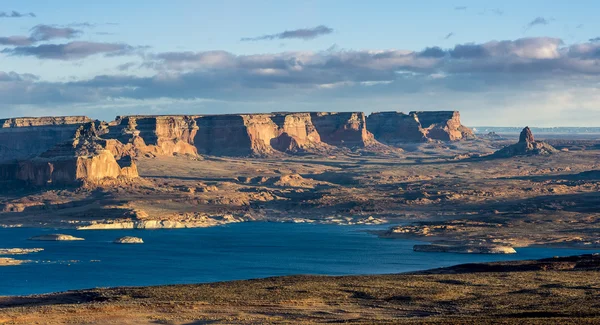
465,249
55,237
526,146
129,240
81,159
27,137
265,134
157,135
397,127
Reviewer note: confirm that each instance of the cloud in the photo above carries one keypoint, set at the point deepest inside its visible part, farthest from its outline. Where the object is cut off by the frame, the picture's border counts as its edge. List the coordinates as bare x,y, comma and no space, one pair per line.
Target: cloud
40,33
47,32
15,41
460,8
303,33
488,73
449,35
595,39
71,51
16,14
537,21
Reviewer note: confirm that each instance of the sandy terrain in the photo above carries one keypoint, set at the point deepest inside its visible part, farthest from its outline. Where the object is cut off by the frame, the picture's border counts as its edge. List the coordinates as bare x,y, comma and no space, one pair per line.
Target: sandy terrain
553,291
442,190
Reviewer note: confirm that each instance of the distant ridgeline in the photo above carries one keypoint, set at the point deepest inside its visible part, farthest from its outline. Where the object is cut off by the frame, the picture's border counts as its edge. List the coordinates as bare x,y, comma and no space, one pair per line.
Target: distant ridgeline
536,130
57,150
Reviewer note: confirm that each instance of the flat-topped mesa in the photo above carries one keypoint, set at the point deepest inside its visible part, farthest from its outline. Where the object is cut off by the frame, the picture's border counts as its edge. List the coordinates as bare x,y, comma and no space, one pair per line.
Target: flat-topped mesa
526,146
272,133
27,137
397,127
155,134
81,159
347,129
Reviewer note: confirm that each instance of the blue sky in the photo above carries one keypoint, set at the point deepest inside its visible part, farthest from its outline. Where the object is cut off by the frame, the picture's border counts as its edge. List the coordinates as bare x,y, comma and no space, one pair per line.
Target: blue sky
498,62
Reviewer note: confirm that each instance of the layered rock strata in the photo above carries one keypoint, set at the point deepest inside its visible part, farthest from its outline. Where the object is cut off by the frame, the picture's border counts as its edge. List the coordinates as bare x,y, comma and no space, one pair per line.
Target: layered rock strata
397,127
82,159
264,134
27,137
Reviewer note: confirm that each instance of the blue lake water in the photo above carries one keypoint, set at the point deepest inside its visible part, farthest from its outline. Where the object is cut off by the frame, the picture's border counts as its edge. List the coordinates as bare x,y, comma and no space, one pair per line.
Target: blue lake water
235,251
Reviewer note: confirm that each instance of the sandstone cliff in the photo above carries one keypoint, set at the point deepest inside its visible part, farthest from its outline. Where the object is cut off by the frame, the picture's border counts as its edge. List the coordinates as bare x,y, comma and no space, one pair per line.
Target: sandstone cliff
82,159
264,134
27,137
157,135
397,127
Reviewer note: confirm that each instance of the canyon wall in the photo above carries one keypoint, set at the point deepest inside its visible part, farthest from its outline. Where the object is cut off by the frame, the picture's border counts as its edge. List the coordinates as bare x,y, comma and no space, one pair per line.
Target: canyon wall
82,158
264,134
397,127
27,137
157,135
57,150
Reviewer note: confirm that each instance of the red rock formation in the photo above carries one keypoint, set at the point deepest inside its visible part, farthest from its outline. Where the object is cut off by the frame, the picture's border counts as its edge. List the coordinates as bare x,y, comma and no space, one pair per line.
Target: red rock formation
526,135
27,137
82,159
397,127
526,146
158,135
265,134
343,129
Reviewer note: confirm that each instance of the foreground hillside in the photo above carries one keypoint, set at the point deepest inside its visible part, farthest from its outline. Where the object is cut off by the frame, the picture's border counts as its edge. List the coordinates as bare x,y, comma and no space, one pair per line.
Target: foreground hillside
551,291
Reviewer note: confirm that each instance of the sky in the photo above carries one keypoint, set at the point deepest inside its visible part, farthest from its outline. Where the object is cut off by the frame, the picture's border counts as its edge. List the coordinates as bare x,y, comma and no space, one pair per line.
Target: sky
500,63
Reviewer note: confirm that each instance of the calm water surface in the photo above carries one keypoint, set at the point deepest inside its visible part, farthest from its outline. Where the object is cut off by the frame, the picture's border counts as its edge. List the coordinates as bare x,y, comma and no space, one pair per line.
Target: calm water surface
236,251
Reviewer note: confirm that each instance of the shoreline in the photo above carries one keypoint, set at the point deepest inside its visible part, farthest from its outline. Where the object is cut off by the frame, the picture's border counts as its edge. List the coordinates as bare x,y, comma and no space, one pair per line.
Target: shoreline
509,292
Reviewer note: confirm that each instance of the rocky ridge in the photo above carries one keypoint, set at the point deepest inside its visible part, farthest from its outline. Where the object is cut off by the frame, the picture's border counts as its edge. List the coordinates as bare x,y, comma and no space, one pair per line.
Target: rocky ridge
397,127
71,150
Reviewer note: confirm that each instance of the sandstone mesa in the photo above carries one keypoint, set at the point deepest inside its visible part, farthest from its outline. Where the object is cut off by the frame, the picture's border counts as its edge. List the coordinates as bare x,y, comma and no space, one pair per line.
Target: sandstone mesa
76,149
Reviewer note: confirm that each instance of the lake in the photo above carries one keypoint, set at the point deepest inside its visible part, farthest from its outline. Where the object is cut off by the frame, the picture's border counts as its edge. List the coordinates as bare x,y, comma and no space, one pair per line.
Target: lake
235,251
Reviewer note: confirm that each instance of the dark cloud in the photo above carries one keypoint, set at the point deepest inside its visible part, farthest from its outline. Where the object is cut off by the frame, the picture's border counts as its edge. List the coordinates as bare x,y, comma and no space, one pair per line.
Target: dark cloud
40,33
15,41
433,52
16,14
220,75
595,39
537,21
71,51
449,35
125,66
46,32
303,33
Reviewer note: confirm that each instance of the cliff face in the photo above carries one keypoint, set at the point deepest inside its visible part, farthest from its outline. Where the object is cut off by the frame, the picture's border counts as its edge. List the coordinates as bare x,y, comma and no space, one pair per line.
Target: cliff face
82,158
343,129
27,137
158,135
264,134
397,127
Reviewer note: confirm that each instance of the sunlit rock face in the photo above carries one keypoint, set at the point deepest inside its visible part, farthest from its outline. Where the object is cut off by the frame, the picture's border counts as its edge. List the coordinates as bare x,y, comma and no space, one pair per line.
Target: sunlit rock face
397,127
157,135
266,134
83,158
